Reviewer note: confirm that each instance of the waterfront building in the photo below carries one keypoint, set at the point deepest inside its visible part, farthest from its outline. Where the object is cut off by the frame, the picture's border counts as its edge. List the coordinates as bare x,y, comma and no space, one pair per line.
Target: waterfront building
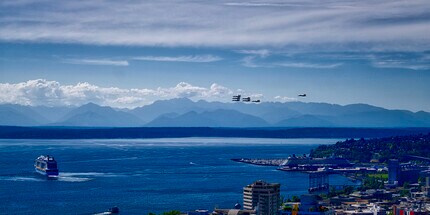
263,197
357,208
409,175
398,173
297,163
319,182
309,205
411,209
233,212
199,212
338,200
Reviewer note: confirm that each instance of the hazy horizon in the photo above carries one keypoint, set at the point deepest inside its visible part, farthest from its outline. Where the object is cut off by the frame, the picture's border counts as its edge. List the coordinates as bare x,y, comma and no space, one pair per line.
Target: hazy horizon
195,101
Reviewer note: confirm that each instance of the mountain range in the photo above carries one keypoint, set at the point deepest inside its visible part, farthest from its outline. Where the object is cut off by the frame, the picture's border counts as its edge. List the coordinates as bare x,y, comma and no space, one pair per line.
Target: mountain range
183,112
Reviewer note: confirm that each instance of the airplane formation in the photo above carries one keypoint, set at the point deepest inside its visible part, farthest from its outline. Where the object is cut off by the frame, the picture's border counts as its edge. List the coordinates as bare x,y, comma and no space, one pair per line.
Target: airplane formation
237,98
244,99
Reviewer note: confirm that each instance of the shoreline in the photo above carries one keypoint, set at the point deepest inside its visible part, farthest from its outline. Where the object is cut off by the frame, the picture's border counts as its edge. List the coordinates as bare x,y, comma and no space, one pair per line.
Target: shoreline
16,132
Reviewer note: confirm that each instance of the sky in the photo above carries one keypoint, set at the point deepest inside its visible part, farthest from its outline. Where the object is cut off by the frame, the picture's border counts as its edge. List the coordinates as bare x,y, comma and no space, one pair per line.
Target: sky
130,53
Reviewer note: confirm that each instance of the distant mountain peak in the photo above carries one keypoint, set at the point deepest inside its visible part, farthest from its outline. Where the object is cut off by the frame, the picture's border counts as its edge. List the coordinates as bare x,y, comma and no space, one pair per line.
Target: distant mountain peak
90,104
184,112
211,118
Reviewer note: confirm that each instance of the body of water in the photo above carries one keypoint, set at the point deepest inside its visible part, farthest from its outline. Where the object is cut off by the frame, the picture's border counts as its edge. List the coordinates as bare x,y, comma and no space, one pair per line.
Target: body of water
142,176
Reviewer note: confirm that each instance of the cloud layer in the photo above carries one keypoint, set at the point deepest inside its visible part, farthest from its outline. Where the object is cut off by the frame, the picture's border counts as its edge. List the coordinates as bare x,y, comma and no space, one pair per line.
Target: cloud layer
52,93
98,62
188,58
339,24
126,61
285,99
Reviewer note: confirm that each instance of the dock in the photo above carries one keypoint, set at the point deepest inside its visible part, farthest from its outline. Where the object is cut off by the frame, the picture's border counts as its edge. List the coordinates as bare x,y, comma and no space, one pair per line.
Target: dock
260,162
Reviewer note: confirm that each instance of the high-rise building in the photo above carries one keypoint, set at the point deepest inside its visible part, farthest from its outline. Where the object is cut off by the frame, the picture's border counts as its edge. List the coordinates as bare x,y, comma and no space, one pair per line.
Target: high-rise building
263,197
393,171
399,173
427,186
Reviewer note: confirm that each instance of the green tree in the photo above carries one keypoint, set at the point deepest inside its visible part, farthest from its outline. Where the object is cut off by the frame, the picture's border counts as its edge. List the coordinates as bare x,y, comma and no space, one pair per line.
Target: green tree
172,213
348,190
287,208
295,199
332,192
373,183
404,193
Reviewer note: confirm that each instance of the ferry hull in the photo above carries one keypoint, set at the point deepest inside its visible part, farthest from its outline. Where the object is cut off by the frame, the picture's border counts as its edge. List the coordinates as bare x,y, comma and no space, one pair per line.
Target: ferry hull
50,175
46,166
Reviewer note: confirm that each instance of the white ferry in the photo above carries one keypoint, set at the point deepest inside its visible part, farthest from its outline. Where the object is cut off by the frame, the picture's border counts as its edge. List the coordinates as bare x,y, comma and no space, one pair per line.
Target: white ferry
47,166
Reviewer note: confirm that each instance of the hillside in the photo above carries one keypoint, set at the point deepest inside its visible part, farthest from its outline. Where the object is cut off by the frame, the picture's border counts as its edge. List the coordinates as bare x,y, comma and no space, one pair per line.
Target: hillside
11,114
98,116
183,112
216,118
382,149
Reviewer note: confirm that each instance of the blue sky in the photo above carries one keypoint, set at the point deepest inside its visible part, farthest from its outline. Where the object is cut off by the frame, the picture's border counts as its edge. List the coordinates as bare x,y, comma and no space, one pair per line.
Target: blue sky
128,54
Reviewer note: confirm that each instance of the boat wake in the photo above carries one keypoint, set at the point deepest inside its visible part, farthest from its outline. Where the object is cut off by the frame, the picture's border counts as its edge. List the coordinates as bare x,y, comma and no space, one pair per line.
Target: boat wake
75,174
19,178
42,178
83,176
103,160
73,179
89,174
63,177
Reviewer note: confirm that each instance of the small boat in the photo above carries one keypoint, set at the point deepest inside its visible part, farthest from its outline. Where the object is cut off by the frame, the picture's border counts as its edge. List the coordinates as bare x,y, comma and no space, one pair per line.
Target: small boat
114,210
47,166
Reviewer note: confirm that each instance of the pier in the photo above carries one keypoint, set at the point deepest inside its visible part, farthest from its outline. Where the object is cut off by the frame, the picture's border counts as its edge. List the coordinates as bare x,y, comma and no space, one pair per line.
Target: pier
328,167
261,162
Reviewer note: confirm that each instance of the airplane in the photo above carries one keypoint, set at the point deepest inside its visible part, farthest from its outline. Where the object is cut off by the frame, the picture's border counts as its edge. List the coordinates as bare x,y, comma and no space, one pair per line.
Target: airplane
236,98
302,95
246,99
258,100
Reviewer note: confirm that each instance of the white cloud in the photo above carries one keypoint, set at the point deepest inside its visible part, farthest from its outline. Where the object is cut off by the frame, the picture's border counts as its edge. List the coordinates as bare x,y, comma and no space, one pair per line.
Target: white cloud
285,98
184,89
101,62
256,96
400,60
253,61
218,90
260,52
309,65
412,61
401,65
258,4
338,24
187,90
189,58
52,93
258,58
249,61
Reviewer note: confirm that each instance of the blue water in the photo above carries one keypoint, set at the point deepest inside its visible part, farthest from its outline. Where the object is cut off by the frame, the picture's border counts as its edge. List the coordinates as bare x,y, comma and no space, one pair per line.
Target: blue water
141,176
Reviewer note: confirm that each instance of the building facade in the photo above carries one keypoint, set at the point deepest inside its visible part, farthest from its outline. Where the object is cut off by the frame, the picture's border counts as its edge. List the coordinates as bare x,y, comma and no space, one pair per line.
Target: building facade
393,172
263,197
